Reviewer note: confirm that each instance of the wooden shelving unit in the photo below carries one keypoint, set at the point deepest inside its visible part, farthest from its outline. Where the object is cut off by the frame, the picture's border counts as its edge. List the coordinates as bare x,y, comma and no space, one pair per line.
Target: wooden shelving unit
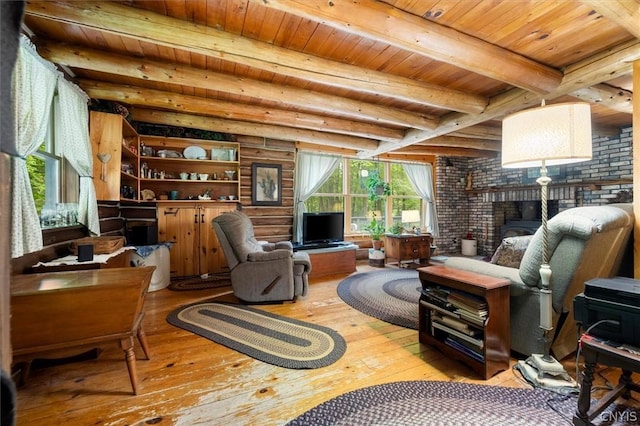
495,332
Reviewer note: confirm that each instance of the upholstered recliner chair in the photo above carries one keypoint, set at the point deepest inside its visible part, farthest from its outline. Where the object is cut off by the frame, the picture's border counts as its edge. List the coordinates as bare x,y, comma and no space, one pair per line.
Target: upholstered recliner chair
260,272
584,243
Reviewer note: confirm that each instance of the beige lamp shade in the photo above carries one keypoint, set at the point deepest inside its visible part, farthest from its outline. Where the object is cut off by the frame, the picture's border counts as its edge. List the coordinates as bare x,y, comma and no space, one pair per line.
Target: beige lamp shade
553,134
410,216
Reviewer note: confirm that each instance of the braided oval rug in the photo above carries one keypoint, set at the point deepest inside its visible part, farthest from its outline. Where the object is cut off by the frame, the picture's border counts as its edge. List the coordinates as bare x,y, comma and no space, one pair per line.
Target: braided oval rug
390,294
271,338
453,403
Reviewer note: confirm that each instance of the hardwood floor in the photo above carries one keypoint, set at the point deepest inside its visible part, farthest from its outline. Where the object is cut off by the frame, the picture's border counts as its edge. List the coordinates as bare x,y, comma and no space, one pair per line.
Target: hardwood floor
191,380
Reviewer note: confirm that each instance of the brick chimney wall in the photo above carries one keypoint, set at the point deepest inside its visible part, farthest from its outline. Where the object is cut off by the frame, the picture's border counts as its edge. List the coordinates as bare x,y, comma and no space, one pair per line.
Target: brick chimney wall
461,211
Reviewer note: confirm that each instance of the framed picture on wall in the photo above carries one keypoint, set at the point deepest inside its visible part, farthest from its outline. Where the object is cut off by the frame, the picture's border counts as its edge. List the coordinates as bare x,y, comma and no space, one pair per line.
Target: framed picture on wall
266,184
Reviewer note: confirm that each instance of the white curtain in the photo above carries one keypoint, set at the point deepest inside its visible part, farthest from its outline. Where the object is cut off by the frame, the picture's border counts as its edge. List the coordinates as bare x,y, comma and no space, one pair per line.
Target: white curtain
421,178
72,133
33,85
312,170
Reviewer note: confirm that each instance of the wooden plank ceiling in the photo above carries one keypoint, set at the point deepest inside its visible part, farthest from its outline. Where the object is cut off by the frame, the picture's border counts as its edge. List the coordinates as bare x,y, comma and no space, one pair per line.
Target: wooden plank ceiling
394,77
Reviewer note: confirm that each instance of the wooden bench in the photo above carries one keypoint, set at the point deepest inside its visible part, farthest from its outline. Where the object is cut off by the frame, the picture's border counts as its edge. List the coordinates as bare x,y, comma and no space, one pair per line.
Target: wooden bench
57,311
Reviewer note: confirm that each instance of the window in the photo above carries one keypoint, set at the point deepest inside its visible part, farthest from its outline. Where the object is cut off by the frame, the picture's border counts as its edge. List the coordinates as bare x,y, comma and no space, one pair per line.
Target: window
330,196
54,184
406,205
346,191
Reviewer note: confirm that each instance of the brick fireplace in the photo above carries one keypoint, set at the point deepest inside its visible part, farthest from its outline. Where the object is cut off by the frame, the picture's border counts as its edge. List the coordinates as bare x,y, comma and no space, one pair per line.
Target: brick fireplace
499,195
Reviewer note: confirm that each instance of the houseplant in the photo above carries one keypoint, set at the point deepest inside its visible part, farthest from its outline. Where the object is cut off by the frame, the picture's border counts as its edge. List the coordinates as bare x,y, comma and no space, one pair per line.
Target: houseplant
376,187
396,228
375,229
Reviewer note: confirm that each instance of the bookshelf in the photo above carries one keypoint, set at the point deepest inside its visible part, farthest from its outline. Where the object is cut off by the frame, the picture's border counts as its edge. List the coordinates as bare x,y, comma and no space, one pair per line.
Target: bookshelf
466,316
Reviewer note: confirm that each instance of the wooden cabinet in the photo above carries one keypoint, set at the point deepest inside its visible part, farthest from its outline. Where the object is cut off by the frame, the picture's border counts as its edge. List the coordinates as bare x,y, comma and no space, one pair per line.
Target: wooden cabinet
449,318
212,167
411,248
114,144
127,166
195,249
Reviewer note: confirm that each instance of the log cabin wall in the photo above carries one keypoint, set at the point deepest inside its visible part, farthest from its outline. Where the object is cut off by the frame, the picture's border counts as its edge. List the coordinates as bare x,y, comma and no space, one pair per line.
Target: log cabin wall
271,223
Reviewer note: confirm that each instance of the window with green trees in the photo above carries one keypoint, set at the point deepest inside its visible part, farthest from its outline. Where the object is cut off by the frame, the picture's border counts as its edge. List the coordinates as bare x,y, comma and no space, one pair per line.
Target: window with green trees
346,191
54,184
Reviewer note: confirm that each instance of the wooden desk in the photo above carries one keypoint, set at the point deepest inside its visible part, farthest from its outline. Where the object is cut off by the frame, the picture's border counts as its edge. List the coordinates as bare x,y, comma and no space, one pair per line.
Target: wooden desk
407,248
57,311
596,352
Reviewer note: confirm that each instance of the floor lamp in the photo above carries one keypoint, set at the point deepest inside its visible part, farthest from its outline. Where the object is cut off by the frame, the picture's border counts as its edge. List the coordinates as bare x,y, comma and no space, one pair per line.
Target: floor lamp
540,137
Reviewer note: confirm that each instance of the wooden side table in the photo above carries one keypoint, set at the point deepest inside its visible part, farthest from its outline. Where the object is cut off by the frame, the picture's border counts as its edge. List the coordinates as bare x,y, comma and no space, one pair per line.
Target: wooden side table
495,337
406,247
595,351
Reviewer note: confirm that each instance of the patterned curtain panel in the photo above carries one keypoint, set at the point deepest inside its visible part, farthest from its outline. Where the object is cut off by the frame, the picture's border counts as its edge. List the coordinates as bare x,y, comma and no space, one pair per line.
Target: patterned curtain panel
34,82
72,129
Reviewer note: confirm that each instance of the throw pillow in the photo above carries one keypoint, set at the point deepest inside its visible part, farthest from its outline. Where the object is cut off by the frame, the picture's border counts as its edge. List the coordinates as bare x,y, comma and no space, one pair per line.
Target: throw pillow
511,250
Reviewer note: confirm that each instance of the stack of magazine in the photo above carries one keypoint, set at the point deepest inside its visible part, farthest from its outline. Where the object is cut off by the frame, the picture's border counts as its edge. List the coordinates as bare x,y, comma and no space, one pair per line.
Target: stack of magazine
459,316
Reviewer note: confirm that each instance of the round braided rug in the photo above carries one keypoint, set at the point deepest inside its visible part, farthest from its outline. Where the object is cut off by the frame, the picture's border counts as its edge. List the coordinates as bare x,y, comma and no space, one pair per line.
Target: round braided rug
391,295
451,403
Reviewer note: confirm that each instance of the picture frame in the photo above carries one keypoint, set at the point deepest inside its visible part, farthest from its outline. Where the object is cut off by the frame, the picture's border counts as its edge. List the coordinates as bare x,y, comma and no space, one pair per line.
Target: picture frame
554,172
266,184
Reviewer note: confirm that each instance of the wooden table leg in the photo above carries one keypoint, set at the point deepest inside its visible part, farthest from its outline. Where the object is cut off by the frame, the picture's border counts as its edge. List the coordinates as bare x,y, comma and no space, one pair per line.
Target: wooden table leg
581,416
130,358
142,338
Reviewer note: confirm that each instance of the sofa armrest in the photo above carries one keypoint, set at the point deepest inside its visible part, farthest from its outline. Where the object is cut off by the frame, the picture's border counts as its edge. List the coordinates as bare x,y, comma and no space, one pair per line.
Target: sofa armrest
263,256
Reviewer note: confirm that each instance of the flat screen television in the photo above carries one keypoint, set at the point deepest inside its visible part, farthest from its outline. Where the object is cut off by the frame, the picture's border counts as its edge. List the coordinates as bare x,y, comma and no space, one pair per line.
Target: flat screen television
324,227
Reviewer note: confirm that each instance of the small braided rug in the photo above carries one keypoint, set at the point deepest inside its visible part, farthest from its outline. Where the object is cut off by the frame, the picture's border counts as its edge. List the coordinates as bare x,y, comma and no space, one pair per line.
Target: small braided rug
453,403
197,283
391,295
271,338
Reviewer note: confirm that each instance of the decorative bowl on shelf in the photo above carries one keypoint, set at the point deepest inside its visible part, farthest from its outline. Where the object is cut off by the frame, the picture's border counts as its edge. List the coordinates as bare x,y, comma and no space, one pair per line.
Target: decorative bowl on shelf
230,173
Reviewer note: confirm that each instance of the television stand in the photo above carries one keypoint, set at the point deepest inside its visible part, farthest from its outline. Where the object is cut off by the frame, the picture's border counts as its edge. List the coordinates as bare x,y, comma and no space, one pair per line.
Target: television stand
313,246
340,258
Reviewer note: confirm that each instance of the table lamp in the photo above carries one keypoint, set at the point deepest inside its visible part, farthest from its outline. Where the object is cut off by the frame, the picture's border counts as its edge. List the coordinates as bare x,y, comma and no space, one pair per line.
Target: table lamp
541,137
411,216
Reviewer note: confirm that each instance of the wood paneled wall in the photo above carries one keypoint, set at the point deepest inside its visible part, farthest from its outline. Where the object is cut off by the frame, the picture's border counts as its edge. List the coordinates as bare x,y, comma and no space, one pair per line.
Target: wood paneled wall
271,223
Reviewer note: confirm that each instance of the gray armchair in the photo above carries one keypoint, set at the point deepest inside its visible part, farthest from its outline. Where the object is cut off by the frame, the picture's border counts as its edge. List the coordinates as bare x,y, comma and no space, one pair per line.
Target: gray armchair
584,243
260,272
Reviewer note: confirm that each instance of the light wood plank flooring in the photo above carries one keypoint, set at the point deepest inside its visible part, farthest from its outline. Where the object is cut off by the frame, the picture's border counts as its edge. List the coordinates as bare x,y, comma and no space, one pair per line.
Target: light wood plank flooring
191,380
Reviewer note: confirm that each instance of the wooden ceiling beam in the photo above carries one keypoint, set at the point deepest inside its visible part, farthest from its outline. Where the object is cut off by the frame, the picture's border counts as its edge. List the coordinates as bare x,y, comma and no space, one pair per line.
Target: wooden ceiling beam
442,151
146,70
611,97
249,129
591,71
481,132
151,27
460,142
141,96
379,21
420,158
